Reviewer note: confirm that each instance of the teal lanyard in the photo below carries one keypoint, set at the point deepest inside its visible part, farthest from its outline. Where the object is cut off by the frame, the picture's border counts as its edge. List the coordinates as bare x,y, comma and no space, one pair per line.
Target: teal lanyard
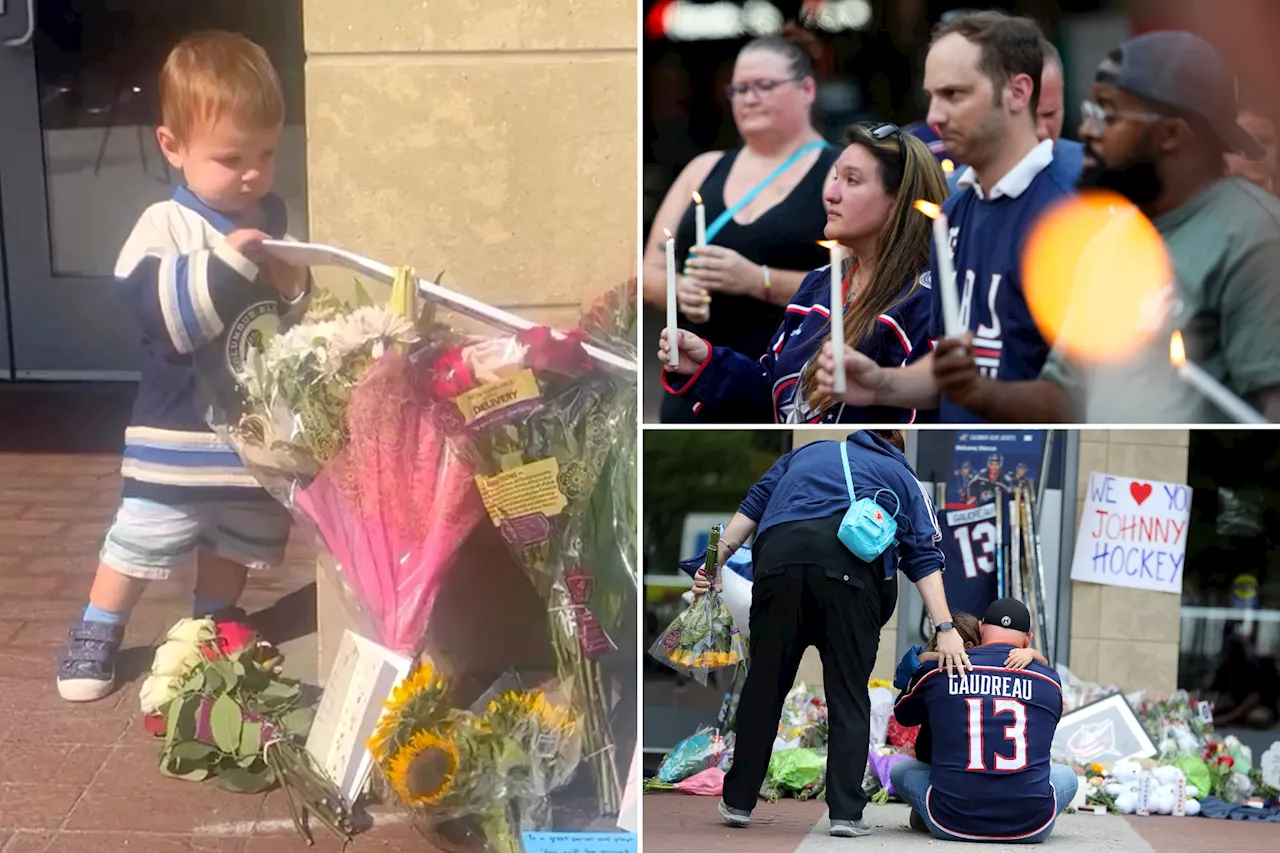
723,219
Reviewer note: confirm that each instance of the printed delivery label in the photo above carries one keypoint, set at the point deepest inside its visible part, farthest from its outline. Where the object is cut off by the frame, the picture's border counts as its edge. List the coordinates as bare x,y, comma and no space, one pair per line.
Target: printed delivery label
500,401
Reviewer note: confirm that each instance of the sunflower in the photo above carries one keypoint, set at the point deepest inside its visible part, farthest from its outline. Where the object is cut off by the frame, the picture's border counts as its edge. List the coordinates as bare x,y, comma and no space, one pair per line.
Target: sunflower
513,707
422,771
416,703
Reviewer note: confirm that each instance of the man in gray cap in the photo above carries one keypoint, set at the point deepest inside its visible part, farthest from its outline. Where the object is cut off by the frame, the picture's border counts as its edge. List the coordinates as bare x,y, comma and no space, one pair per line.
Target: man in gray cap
1162,115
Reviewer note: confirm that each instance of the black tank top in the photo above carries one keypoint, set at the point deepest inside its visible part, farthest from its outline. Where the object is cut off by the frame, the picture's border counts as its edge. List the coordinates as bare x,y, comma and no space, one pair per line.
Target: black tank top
785,237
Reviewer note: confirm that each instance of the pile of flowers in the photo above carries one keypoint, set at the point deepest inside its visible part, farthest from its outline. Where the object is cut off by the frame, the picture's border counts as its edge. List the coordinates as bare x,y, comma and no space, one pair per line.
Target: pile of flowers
216,700
491,768
394,436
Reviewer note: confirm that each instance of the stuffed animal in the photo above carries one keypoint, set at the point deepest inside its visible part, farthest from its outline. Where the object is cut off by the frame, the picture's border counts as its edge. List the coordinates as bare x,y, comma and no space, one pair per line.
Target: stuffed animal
1127,787
1166,790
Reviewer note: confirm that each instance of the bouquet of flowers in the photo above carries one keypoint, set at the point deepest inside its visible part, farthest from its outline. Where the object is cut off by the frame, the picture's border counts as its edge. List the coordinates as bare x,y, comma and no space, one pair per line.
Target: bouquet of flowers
215,698
394,435
703,637
488,770
551,439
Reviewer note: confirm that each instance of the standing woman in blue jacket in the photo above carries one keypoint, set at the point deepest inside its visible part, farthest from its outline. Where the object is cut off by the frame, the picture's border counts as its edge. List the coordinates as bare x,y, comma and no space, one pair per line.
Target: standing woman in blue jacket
810,590
879,176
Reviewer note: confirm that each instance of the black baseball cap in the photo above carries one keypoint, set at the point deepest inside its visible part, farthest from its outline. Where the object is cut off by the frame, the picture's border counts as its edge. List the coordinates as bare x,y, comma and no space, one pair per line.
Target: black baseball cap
1008,613
1183,72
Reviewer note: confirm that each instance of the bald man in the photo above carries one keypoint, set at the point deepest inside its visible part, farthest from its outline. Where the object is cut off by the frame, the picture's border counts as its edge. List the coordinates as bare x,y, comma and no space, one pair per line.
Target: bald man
1068,156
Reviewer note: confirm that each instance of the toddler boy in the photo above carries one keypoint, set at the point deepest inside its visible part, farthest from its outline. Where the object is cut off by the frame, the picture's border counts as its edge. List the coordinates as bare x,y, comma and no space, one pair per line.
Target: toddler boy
205,294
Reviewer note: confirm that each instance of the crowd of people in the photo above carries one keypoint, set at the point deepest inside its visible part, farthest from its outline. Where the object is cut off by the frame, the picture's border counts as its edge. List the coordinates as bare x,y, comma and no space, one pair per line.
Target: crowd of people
1162,129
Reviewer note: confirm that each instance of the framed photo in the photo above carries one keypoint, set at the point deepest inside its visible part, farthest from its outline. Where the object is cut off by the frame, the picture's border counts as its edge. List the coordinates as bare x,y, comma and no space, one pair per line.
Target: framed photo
1103,731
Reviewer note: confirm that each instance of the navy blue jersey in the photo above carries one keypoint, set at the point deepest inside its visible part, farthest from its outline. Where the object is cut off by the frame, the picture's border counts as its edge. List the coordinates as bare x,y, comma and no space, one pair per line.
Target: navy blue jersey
969,553
768,383
987,239
992,731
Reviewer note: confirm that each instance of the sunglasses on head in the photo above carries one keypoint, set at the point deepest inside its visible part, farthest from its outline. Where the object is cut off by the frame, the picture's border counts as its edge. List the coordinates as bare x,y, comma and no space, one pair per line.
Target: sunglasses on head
883,130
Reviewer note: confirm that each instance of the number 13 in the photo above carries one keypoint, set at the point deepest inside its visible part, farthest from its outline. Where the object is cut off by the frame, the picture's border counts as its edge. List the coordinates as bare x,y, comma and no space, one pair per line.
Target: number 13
1016,733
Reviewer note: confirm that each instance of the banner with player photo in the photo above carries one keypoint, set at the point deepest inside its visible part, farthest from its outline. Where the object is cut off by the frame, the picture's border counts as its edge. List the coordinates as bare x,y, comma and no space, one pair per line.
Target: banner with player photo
977,535
986,461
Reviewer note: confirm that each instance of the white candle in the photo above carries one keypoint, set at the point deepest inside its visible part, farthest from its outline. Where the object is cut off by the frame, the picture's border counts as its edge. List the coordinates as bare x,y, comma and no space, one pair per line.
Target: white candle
699,220
673,328
1218,394
837,313
946,267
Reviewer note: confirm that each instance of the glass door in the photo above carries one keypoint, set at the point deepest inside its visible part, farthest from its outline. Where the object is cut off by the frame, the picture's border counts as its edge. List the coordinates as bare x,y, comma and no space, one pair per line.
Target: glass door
79,164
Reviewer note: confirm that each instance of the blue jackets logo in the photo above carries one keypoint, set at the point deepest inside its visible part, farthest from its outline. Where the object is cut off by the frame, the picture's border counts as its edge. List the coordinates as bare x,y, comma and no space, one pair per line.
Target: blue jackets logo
251,331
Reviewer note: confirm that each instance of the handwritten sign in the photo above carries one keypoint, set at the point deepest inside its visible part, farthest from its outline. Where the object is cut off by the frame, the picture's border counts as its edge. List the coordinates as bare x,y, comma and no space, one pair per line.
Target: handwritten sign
1133,533
580,842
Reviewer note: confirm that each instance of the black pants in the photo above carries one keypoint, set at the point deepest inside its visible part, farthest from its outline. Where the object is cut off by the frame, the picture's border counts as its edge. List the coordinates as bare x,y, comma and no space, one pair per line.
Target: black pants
810,591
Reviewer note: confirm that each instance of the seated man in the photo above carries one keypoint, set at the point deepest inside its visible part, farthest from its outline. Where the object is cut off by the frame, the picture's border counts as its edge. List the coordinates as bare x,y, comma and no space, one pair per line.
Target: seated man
990,777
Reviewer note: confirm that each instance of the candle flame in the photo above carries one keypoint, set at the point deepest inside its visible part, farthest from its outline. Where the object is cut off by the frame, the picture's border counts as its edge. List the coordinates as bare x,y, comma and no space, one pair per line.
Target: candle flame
668,233
1177,352
697,199
947,166
828,244
928,208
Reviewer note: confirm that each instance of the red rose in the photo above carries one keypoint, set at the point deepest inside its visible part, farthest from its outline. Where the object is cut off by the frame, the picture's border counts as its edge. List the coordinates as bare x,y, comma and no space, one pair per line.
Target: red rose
156,725
1227,760
449,375
232,639
564,355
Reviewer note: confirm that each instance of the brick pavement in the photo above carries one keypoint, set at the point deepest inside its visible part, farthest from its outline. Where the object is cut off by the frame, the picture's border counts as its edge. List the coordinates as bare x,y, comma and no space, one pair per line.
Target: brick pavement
83,777
679,822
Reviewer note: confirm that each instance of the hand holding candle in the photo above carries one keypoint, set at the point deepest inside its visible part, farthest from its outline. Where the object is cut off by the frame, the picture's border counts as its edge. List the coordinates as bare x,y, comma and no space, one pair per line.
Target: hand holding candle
837,313
946,267
673,326
1218,394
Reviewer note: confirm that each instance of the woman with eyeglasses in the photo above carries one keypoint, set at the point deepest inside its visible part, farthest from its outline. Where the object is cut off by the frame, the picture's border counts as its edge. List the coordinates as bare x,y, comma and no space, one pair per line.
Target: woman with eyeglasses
879,176
764,213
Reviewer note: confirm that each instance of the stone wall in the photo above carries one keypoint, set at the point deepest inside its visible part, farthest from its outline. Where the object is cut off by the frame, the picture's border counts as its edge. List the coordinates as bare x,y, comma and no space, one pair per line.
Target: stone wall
494,141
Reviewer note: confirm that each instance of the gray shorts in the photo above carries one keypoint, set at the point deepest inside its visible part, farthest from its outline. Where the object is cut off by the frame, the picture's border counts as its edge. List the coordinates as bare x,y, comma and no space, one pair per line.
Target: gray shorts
148,540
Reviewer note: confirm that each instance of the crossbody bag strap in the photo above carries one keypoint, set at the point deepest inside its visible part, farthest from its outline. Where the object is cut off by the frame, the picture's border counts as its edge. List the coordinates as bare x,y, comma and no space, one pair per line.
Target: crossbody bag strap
848,478
723,219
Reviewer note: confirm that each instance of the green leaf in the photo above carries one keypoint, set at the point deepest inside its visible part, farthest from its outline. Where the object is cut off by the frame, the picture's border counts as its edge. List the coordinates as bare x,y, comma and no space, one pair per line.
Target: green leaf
192,750
227,721
173,716
226,671
298,721
250,740
243,781
248,762
198,774
213,681
238,668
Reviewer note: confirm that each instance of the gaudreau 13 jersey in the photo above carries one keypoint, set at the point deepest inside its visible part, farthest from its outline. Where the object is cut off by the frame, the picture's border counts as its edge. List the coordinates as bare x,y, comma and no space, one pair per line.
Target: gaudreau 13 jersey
992,732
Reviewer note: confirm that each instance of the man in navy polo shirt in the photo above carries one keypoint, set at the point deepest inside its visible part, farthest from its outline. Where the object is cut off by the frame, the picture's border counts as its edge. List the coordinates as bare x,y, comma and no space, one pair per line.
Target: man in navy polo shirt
983,78
989,778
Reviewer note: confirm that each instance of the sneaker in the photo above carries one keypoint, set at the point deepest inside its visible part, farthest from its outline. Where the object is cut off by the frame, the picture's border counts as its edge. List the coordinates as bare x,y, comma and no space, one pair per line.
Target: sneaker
87,665
850,828
917,822
734,817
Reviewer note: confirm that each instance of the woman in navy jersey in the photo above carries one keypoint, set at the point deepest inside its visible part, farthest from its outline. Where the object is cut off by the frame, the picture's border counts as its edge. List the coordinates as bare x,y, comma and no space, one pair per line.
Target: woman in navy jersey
764,213
880,174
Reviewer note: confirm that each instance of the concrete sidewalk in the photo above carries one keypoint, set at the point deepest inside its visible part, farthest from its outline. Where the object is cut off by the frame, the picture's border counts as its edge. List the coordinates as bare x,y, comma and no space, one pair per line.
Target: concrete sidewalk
676,822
